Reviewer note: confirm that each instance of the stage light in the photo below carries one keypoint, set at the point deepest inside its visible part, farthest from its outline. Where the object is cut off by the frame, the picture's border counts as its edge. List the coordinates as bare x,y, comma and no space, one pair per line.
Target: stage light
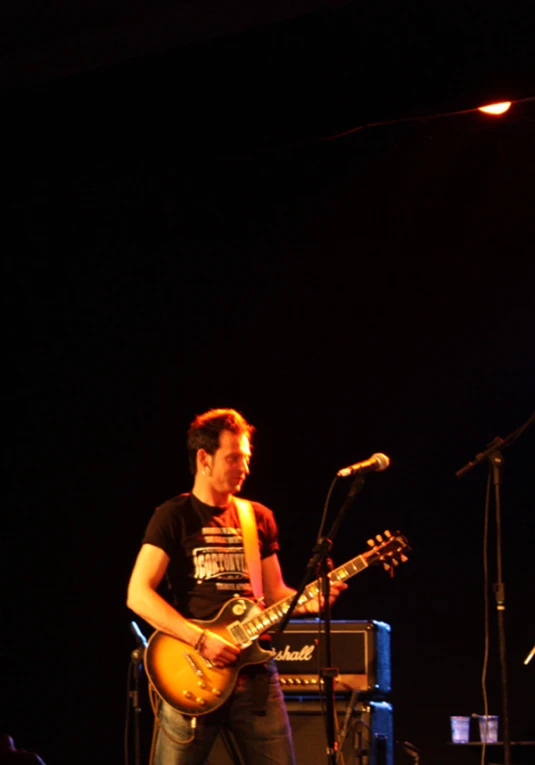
495,109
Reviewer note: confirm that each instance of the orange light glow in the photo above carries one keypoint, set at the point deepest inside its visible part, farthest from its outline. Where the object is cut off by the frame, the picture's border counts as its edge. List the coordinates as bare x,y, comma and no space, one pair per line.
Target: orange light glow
496,108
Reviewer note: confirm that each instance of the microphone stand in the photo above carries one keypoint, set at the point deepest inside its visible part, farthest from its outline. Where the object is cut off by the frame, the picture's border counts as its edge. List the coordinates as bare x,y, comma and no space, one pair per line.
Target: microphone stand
136,664
319,562
493,453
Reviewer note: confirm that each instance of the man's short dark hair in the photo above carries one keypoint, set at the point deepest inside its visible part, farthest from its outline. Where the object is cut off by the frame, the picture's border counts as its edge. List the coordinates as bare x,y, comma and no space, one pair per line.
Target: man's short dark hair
206,428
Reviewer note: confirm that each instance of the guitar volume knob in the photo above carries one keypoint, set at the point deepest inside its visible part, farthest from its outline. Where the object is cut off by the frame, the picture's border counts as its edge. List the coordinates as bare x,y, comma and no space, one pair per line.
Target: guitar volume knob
216,691
201,702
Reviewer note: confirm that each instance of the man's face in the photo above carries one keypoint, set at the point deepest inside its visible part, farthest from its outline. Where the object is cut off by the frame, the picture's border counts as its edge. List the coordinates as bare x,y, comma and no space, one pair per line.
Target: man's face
229,466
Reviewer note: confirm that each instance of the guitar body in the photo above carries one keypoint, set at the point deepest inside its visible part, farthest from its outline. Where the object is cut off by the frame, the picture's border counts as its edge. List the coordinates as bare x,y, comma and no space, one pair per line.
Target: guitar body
186,681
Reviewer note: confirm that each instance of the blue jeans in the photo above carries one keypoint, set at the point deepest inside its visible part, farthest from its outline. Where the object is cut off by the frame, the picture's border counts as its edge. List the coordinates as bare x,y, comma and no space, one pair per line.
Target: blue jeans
263,738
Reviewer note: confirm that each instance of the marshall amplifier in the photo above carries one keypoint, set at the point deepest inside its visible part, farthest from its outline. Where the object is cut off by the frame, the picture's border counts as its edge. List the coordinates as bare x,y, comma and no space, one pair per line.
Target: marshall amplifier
360,652
365,733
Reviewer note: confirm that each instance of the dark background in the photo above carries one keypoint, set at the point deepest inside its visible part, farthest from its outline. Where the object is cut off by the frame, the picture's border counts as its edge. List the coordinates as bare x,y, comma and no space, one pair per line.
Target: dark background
180,235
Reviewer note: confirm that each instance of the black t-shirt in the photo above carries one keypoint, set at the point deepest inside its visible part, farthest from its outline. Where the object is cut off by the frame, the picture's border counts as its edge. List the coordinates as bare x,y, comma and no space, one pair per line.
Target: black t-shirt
207,562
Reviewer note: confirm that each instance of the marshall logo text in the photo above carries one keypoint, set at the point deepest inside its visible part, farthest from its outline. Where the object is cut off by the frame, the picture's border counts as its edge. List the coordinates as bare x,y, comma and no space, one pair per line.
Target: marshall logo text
305,654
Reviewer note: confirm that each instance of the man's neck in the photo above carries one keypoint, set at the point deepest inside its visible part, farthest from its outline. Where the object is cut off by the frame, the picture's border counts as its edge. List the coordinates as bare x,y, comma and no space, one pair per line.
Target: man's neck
209,496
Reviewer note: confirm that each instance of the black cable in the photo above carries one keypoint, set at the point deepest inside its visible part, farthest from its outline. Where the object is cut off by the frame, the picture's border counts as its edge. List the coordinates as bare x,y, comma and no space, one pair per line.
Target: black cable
127,715
326,507
486,608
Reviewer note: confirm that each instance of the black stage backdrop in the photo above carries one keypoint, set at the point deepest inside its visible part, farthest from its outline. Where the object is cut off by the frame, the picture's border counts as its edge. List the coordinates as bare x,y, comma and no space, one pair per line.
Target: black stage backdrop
179,237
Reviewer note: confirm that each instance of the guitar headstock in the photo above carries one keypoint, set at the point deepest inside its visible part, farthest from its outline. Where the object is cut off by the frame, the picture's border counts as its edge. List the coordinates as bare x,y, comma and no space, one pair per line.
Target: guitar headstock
388,549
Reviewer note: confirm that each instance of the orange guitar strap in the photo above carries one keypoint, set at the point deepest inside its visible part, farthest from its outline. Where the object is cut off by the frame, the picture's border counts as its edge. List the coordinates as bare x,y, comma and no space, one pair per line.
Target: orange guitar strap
252,558
250,545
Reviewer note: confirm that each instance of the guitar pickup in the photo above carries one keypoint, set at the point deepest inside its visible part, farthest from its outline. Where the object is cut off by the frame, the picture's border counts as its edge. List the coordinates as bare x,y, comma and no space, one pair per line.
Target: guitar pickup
239,635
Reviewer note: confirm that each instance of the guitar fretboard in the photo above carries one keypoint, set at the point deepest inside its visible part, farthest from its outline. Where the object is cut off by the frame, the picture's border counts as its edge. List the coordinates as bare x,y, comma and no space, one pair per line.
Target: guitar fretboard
258,624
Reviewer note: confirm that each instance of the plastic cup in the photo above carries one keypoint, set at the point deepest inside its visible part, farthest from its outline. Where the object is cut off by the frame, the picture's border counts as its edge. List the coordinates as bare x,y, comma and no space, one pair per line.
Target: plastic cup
460,729
488,728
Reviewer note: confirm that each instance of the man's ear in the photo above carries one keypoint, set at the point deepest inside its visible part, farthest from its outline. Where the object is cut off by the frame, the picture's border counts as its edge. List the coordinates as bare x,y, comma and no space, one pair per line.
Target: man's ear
204,461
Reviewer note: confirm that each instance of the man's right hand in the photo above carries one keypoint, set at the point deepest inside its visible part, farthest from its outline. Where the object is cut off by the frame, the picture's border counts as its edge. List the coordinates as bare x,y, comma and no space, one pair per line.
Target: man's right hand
219,651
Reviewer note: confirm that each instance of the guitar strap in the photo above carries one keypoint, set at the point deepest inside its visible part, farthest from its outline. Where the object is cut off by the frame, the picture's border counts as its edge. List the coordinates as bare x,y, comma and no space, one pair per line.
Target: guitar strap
251,549
250,545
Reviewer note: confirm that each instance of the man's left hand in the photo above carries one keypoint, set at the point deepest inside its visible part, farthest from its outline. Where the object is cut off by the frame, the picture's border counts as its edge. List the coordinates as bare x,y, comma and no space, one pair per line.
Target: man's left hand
313,605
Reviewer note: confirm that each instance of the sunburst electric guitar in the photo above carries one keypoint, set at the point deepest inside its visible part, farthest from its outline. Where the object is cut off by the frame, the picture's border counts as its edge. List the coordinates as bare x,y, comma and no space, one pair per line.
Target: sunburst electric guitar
193,685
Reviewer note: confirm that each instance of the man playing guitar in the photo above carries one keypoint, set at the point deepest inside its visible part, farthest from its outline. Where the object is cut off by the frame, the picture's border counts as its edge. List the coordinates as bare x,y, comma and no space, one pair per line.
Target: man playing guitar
195,541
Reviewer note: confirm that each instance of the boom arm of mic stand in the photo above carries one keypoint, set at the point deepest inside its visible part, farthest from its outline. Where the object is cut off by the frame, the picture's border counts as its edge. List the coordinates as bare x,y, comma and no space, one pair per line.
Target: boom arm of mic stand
495,444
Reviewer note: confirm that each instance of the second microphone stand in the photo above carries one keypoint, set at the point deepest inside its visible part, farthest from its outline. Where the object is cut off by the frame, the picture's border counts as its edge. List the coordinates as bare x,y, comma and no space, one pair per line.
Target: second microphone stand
319,564
493,454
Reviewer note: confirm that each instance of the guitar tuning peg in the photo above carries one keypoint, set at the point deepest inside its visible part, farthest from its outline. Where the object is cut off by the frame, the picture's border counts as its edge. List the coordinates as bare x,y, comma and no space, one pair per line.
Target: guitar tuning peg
389,569
387,534
404,558
395,562
379,538
370,543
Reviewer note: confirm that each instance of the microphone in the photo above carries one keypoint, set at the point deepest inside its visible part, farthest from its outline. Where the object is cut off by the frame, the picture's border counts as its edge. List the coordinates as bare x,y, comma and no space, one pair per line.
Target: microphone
377,462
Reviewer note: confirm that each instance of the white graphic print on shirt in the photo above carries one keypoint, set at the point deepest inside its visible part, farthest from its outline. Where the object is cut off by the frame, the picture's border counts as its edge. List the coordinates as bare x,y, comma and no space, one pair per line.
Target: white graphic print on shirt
221,557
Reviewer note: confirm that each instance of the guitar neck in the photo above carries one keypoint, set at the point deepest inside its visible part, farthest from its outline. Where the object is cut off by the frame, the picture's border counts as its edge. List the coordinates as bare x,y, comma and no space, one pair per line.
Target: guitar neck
257,625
